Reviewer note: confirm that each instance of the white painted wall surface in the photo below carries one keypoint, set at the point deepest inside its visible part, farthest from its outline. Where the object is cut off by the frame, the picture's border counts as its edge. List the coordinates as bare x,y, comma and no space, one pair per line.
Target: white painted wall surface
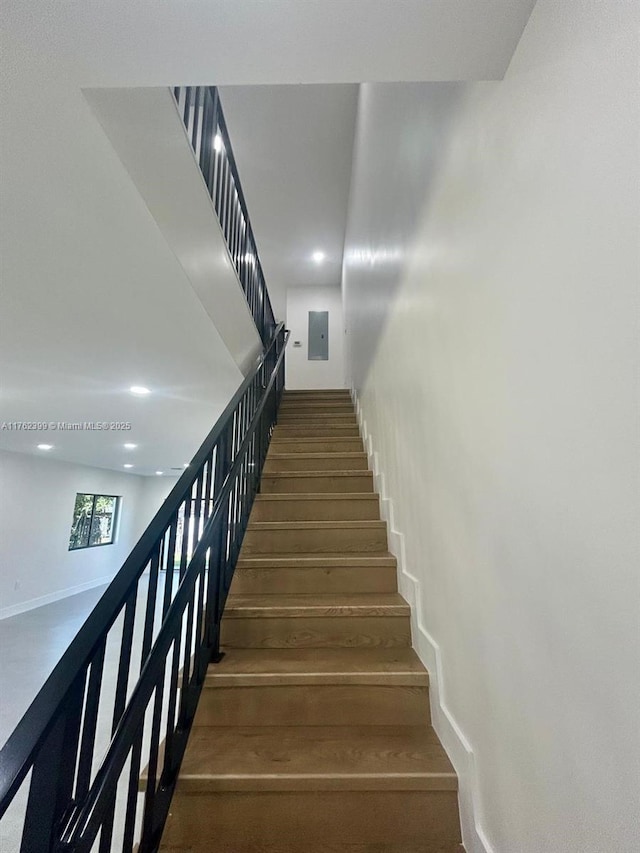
36,510
491,296
146,129
153,491
300,372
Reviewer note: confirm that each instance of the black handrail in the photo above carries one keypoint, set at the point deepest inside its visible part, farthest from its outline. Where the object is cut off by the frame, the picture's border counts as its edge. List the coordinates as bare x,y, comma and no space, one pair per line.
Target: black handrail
197,532
201,112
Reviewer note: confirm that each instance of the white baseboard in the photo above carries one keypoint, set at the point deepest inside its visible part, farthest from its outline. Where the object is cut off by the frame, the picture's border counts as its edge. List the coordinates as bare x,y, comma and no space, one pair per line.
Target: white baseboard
32,603
453,739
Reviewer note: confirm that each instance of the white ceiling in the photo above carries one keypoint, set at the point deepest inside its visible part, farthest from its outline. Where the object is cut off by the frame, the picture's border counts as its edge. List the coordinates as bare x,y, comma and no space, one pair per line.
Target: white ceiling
93,299
293,146
146,43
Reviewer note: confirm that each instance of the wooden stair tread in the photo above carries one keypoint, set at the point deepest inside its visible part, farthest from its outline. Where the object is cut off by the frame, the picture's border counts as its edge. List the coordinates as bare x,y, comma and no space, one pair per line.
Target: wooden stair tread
315,757
332,430
294,606
324,847
318,666
321,431
356,472
317,525
306,407
324,559
330,444
318,496
346,454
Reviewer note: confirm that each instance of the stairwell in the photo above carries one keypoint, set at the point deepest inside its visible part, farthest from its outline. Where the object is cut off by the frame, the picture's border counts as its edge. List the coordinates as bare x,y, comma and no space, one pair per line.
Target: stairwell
313,733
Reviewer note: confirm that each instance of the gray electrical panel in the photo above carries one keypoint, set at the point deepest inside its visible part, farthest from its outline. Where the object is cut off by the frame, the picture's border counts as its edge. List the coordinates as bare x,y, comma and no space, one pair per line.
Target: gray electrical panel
318,336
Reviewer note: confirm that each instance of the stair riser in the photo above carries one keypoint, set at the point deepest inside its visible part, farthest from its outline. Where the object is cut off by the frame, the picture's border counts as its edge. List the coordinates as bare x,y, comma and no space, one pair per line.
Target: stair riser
313,430
316,510
320,394
322,407
279,846
315,541
319,445
325,484
313,580
317,632
317,418
427,818
314,705
328,462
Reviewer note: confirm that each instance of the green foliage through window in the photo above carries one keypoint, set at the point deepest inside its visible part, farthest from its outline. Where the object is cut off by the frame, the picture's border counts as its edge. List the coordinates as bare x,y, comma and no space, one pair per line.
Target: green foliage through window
94,520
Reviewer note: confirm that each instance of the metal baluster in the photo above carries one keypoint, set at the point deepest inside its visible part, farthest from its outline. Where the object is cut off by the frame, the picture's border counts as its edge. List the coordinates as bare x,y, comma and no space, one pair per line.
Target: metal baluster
52,777
170,764
218,548
217,164
185,534
199,614
224,211
186,707
206,146
149,618
234,229
195,137
89,726
170,565
122,682
186,116
132,792
148,823
208,502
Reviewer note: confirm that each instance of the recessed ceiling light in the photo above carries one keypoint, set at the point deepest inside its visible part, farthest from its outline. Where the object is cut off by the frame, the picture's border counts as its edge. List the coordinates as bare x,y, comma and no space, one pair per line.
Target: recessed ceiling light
140,390
159,473
185,465
45,447
129,446
127,465
318,257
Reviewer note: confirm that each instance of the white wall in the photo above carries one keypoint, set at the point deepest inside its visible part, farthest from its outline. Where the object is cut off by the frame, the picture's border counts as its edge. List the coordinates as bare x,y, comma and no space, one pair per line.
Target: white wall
300,372
36,510
153,491
490,287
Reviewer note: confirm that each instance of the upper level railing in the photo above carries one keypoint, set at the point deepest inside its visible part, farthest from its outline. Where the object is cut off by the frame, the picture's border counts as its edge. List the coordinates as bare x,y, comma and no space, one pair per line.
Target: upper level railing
203,119
130,680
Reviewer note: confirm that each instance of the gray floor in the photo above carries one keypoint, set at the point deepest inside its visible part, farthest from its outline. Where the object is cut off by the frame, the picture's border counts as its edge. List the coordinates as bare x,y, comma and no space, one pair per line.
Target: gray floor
31,644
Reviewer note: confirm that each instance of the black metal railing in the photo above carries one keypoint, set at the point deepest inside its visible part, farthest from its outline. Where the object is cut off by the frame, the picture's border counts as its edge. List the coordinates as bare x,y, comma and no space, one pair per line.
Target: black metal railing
124,694
203,119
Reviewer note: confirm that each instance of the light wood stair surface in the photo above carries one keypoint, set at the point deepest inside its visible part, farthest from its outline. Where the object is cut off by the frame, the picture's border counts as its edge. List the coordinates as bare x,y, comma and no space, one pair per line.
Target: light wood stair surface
309,537
313,461
313,733
360,506
322,573
315,758
306,482
312,429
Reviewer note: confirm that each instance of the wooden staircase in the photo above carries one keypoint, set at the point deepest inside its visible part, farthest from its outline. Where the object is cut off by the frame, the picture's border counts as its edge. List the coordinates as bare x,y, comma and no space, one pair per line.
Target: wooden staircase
313,733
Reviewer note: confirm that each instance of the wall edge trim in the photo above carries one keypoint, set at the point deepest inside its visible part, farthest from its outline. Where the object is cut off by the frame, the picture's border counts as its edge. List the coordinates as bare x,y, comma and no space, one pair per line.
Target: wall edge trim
50,598
455,742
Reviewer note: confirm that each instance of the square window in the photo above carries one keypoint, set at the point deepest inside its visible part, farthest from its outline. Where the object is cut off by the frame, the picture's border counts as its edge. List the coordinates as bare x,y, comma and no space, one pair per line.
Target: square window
94,520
